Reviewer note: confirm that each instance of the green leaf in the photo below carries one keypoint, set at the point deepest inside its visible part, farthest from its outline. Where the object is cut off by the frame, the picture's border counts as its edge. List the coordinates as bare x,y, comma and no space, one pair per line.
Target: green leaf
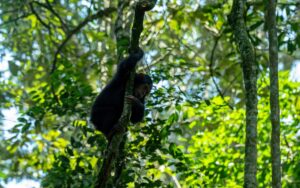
25,128
256,25
13,68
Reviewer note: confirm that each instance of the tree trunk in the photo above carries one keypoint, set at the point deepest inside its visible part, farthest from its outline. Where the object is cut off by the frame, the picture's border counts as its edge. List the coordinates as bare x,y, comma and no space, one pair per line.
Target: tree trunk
274,101
249,67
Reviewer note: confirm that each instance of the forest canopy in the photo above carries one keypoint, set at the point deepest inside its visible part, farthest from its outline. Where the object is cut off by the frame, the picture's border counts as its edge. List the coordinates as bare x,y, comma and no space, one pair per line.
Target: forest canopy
57,55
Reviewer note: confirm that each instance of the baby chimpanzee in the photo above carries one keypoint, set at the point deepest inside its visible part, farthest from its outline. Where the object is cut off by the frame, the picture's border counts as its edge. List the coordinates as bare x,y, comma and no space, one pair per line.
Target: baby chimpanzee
108,107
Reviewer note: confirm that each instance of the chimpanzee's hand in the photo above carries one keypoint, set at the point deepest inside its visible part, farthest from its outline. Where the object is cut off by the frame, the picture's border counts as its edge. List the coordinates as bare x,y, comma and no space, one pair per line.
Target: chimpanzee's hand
138,54
133,100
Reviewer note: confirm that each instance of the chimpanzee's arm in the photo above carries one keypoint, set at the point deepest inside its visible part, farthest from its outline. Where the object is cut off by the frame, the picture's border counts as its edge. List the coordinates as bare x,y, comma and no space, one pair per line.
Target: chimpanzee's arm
129,63
137,113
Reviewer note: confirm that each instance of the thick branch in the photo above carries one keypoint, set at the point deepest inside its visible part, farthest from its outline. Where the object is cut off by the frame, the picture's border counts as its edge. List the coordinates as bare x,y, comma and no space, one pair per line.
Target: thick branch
141,7
115,144
137,28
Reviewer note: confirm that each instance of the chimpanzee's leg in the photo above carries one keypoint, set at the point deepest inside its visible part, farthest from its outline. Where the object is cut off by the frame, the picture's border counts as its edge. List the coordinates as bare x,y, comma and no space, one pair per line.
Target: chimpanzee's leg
117,128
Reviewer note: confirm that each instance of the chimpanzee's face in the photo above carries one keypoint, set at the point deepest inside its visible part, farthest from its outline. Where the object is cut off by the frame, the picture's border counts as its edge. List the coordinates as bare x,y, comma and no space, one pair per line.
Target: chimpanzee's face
142,90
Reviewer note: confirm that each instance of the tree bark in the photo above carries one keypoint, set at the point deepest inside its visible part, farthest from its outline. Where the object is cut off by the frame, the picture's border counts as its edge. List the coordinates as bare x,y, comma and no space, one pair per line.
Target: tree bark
249,67
122,35
274,93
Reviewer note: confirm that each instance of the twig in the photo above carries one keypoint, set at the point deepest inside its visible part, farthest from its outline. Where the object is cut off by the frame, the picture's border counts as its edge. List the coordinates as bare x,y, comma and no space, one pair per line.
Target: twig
38,16
231,82
50,8
16,19
156,61
99,14
64,25
212,72
9,11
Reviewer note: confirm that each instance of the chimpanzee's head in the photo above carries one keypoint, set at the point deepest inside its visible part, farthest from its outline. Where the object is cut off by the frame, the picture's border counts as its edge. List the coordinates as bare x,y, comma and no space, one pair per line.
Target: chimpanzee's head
142,85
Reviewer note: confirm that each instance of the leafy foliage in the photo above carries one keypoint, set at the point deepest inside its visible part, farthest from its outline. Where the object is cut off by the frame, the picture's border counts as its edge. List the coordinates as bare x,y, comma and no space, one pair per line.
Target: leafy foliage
190,136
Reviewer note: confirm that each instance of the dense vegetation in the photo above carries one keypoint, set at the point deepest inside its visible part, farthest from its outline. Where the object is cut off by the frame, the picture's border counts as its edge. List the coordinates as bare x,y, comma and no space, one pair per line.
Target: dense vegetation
56,55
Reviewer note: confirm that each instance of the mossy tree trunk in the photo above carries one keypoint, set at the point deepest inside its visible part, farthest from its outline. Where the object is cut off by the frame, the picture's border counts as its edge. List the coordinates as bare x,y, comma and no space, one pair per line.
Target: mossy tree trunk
274,93
236,20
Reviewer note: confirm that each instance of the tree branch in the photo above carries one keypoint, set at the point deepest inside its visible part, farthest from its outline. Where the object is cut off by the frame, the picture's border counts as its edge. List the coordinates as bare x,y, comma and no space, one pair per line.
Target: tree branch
64,25
99,14
50,8
212,71
9,11
115,143
16,19
38,16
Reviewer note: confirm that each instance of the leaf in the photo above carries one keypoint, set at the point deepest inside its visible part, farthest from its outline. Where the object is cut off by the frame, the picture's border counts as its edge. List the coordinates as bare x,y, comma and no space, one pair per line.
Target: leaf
173,149
13,68
291,46
2,175
75,143
256,25
70,151
207,102
33,20
23,120
25,128
92,140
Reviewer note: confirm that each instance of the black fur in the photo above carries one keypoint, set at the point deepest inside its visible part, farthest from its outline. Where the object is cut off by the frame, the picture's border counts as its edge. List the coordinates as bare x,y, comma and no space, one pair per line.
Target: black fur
108,106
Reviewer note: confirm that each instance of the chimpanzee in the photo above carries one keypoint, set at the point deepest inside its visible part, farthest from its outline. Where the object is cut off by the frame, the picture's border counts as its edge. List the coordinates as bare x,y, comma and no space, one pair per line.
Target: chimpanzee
108,107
